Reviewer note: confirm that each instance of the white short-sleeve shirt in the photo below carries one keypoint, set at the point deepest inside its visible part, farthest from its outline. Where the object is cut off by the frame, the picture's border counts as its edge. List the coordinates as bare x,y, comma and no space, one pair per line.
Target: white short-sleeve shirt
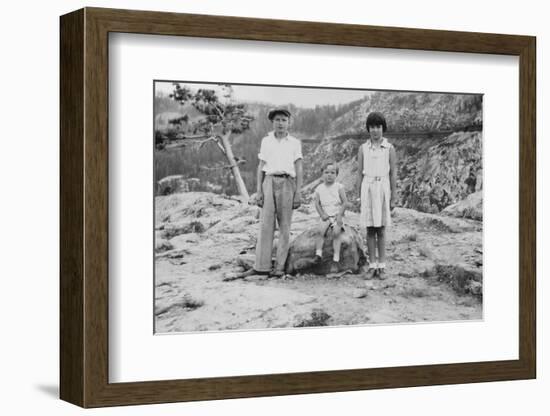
279,155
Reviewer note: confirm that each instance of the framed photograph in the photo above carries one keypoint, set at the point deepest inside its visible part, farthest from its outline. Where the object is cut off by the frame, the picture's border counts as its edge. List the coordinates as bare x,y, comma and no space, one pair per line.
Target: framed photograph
255,207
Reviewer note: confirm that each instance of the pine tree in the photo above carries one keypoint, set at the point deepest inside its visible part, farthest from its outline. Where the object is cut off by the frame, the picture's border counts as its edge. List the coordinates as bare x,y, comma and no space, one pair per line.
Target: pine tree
219,120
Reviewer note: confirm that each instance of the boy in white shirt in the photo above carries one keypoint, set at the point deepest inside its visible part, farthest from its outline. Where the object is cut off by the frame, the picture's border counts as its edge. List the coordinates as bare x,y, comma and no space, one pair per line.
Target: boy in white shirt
279,181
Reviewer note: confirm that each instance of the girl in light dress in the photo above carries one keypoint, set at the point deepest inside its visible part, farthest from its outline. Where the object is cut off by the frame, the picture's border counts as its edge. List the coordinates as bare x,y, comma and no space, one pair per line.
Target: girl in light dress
377,178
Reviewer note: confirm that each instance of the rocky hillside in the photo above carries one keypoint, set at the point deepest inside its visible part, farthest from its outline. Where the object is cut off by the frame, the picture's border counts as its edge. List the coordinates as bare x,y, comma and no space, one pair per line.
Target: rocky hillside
411,112
432,173
441,175
438,139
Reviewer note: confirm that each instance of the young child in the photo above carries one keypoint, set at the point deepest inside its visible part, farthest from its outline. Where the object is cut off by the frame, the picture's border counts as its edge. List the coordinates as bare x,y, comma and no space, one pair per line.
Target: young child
331,203
377,179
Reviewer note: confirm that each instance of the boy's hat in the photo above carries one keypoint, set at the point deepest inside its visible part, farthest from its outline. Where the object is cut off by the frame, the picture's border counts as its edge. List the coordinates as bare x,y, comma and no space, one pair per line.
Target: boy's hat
279,110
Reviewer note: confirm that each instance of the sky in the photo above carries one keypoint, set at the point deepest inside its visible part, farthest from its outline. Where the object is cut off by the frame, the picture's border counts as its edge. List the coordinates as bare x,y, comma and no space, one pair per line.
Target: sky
300,97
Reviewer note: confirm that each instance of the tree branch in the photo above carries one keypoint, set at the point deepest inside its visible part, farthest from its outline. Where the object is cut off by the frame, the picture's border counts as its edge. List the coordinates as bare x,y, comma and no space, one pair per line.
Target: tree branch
198,137
215,140
202,138
174,146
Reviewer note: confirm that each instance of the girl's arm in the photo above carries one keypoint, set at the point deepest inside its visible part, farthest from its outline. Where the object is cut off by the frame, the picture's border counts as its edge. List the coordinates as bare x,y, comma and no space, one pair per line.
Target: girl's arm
360,170
345,205
319,208
344,200
393,177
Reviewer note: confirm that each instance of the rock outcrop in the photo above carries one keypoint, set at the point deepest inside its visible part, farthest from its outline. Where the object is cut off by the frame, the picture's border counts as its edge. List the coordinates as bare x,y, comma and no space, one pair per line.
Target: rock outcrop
470,207
205,243
433,173
177,184
444,174
301,256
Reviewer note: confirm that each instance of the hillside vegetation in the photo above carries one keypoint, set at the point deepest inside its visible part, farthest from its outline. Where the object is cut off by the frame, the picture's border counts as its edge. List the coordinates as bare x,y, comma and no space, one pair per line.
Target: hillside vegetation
438,138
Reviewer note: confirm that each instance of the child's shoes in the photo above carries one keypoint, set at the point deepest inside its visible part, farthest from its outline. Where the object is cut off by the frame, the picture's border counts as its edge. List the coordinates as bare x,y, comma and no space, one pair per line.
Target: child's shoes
333,267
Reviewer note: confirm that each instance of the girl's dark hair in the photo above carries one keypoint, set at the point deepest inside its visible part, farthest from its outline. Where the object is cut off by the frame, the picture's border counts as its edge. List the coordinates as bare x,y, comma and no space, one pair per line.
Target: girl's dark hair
376,119
328,163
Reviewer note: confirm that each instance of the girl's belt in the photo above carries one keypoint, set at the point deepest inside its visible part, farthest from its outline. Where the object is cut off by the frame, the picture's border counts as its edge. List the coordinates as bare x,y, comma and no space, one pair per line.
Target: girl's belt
375,178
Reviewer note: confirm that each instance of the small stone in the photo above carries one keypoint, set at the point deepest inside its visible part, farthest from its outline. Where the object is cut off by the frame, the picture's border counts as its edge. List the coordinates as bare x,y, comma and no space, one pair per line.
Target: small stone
177,262
162,245
228,277
359,293
425,251
476,288
246,262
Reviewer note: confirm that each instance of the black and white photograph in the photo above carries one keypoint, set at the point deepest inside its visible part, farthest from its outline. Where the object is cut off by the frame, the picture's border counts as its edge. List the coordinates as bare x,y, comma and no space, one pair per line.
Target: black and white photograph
294,207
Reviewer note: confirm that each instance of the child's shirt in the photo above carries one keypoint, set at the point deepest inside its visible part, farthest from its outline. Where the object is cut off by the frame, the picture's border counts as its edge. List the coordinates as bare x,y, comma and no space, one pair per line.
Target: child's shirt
280,155
329,197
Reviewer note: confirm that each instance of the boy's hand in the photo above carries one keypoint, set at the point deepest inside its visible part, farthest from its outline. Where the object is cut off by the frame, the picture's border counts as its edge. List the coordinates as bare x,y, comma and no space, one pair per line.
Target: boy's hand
260,199
297,200
392,202
324,217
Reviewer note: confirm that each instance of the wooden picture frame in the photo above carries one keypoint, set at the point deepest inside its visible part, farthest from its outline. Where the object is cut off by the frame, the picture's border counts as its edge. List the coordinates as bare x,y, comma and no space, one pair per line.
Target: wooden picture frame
84,207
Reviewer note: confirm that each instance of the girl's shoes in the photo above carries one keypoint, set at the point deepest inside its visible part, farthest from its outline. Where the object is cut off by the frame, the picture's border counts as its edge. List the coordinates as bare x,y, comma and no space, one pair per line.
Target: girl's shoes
379,273
371,273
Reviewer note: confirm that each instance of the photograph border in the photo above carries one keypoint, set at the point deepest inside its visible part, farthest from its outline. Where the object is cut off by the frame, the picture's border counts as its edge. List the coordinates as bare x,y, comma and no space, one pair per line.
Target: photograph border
84,213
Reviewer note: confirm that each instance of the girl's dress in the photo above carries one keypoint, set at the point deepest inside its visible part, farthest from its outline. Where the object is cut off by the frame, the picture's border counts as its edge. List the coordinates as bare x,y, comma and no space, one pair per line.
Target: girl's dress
375,188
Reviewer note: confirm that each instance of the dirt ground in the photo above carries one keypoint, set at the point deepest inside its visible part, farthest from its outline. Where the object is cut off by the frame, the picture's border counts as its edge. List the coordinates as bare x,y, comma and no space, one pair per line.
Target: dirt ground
434,272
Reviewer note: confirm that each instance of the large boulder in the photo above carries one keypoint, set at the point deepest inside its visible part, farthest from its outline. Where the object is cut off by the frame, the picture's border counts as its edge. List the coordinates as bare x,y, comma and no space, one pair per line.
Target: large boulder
176,184
301,255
